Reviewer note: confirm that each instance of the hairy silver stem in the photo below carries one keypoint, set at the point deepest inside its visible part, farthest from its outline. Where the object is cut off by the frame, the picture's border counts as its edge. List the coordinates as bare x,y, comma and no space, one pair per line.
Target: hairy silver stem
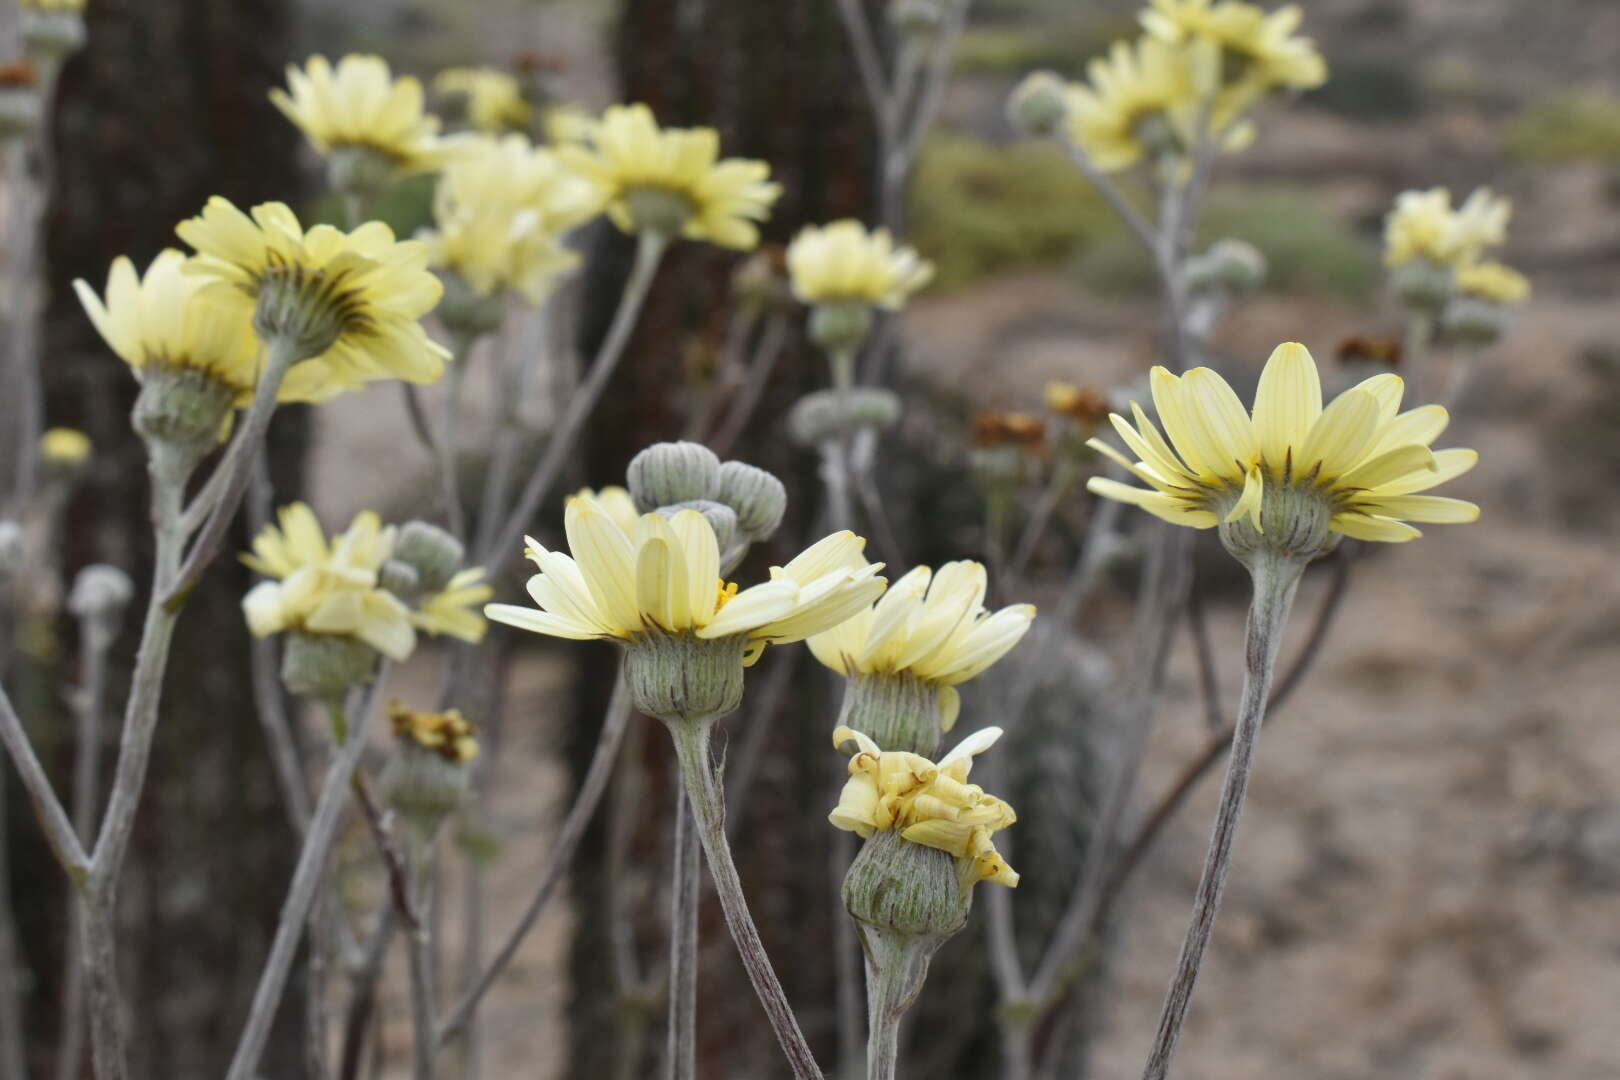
680,1052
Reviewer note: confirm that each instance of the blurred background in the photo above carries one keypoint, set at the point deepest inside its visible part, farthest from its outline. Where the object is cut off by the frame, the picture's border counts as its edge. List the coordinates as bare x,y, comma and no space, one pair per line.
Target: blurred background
1429,872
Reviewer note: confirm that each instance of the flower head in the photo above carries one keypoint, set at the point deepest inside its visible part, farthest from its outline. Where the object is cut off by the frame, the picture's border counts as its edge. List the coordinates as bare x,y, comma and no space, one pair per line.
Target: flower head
1494,282
352,299
843,263
1258,48
1423,225
494,98
1357,466
672,179
927,803
663,577
361,105
447,734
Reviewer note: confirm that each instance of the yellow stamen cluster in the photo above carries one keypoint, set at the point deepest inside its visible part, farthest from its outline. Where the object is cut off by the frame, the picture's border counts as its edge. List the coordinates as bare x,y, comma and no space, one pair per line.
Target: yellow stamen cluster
64,446
447,734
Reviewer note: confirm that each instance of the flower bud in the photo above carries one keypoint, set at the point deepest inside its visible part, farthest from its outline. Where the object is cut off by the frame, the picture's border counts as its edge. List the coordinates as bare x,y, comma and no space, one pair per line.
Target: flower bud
916,18
427,778
758,498
1037,105
182,410
1423,284
657,210
1471,320
358,171
100,593
840,325
401,579
899,887
672,472
325,666
1231,266
1158,136
12,549
467,313
434,554
50,36
826,414
721,518
684,677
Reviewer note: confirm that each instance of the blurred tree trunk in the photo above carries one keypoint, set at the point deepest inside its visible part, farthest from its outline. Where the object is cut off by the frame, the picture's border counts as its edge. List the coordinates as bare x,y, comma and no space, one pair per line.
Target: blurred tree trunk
165,107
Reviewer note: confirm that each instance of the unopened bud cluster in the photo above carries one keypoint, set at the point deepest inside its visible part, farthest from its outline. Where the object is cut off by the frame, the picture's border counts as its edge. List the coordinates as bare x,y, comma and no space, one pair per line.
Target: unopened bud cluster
742,503
424,559
831,415
1037,105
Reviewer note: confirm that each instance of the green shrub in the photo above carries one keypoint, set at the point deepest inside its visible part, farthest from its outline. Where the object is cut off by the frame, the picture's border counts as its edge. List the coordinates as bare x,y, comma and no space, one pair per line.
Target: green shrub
1568,127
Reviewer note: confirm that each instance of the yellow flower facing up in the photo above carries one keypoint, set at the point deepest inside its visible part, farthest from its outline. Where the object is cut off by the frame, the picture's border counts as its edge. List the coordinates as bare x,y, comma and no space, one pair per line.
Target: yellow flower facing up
500,214
355,299
321,589
162,321
673,179
1423,225
360,104
65,446
928,626
930,804
448,734
1493,281
1360,459
843,262
455,609
494,98
1259,49
664,576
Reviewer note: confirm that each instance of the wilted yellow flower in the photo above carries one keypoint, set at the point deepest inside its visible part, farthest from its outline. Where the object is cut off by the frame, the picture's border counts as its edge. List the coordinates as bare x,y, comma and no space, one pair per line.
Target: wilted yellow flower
362,105
1259,51
1359,459
931,804
842,262
447,734
494,98
454,610
500,214
354,298
1085,404
327,590
163,321
672,178
64,446
1493,281
1424,225
665,576
930,627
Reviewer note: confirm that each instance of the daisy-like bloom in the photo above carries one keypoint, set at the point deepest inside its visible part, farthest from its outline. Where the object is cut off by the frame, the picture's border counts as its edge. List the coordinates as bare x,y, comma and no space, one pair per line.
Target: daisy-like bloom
672,179
454,609
1142,101
1493,281
354,300
500,213
905,655
1292,472
927,803
447,734
1424,226
327,590
844,263
162,322
494,98
617,503
361,105
1259,49
64,446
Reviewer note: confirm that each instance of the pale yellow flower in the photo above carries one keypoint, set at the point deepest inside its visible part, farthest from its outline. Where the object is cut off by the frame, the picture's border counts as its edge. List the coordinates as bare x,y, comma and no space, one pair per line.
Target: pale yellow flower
500,213
164,321
1366,460
664,575
361,104
931,804
454,610
628,153
843,262
932,627
494,98
374,288
617,503
327,590
65,446
1423,225
567,123
1493,281
1260,50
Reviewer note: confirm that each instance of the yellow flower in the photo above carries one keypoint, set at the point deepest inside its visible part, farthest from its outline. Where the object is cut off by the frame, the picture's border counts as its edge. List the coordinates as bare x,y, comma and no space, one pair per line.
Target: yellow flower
494,98
327,590
931,804
1359,459
567,124
617,503
65,446
1493,281
1424,225
454,609
665,575
1142,101
500,213
362,105
844,262
448,734
366,290
933,627
1267,56
640,165
163,321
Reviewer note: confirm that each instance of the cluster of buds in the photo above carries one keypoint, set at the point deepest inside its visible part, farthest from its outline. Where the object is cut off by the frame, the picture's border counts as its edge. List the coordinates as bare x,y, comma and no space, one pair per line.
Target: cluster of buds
824,416
427,777
1229,268
1007,448
743,504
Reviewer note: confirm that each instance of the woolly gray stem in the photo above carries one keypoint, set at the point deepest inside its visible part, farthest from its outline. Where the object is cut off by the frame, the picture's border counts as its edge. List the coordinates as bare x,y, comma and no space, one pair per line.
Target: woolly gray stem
680,1054
421,964
1275,579
1415,351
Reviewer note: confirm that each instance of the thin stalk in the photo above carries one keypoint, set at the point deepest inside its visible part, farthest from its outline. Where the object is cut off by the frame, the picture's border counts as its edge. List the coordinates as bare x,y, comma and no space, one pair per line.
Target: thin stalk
13,1046
680,1052
1062,479
742,410
1415,351
896,967
449,433
1209,682
423,995
1276,578
53,819
518,373
706,792
1129,214
867,61
363,995
301,893
636,993
846,955
649,253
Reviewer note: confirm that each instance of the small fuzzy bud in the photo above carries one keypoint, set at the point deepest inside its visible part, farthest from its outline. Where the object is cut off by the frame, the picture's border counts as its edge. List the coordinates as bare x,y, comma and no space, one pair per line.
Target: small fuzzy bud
1158,136
841,325
1231,266
1472,320
657,210
672,472
401,579
434,554
1037,105
326,666
898,887
758,498
427,778
685,677
182,410
1423,284
465,312
721,518
101,593
823,415
12,549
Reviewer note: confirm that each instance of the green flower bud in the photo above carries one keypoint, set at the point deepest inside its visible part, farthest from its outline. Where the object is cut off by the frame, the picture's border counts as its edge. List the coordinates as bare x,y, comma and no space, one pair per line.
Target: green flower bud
465,311
827,414
1231,266
721,518
181,414
434,554
1473,320
840,325
897,887
401,579
423,786
100,594
682,676
672,472
658,210
1423,284
758,498
325,666
1158,136
1037,105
